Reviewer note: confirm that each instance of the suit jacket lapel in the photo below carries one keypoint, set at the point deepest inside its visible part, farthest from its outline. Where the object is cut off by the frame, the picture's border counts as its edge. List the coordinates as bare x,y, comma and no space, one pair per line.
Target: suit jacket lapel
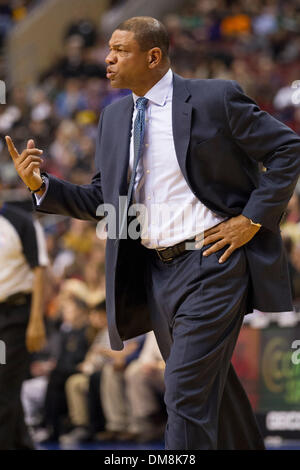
122,135
181,117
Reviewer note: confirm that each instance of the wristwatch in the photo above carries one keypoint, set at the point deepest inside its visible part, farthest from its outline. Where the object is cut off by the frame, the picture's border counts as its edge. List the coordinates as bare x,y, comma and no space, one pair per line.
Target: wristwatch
255,223
43,185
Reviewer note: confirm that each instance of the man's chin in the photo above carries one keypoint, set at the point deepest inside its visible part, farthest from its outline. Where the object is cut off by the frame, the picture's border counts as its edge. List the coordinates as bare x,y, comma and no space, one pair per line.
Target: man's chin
114,83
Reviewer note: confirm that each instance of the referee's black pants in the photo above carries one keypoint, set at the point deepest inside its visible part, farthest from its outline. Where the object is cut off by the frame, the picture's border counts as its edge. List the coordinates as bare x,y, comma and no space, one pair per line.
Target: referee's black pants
197,307
13,323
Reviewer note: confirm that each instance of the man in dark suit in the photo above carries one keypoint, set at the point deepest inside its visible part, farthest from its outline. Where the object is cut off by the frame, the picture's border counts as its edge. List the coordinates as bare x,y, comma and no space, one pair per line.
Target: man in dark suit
189,144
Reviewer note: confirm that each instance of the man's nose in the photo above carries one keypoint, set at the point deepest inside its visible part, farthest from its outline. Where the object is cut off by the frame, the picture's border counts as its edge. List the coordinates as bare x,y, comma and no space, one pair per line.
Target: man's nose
111,58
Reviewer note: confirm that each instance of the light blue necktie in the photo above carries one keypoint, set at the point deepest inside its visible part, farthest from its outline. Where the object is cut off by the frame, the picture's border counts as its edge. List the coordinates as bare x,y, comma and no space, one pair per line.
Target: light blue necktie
138,138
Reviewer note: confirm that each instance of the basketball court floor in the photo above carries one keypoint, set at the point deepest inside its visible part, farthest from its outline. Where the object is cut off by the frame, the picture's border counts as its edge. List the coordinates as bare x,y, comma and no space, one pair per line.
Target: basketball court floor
273,445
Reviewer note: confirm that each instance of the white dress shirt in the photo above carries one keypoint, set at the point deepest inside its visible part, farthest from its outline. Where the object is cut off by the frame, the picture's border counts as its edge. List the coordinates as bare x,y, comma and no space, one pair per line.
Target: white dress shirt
173,212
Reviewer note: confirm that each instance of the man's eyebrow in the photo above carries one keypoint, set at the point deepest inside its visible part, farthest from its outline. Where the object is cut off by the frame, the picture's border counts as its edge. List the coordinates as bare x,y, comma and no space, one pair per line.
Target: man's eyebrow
117,45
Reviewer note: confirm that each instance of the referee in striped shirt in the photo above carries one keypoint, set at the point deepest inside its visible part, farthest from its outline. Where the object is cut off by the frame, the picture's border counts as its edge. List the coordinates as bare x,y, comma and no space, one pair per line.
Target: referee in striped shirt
23,258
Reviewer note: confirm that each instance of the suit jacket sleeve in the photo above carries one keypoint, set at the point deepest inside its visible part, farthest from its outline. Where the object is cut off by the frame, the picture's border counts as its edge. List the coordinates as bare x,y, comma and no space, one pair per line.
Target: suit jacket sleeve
78,201
267,140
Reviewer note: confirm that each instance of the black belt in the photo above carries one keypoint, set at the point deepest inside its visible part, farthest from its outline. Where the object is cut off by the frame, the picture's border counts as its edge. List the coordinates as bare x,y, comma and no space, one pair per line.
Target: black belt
171,252
20,298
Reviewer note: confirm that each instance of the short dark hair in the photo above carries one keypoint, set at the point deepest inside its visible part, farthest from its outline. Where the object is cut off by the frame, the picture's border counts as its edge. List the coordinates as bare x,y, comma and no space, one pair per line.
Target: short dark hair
148,33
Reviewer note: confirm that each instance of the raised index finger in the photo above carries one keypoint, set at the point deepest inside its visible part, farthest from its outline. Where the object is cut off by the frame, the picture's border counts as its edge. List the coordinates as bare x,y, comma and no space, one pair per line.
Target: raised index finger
11,148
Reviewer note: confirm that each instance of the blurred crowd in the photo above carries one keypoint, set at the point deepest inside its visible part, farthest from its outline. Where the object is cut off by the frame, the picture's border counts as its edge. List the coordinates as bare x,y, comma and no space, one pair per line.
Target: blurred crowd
11,13
80,390
254,42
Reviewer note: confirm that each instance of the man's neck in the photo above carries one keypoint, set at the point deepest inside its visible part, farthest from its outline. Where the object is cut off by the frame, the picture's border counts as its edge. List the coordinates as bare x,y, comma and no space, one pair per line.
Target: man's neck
142,89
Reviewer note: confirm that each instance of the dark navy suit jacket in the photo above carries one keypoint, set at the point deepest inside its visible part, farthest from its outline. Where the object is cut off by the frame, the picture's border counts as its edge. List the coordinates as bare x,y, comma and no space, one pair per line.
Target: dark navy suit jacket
220,137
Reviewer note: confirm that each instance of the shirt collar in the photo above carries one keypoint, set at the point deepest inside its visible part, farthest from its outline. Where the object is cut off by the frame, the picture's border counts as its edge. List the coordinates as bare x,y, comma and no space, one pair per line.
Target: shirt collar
159,92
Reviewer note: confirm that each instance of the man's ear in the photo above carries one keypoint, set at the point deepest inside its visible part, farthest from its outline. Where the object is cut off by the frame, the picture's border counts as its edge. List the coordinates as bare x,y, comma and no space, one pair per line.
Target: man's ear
151,57
155,56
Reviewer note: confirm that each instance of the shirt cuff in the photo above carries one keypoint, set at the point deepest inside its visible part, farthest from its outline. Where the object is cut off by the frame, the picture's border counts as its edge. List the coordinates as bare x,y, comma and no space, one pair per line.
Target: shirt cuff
39,199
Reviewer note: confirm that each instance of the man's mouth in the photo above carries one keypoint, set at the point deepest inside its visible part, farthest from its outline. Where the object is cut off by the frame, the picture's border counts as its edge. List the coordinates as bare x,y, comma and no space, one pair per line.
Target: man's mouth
110,74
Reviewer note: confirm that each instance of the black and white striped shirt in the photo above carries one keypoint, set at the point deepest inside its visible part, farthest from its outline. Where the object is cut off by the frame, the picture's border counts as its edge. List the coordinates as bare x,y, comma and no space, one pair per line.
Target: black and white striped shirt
22,248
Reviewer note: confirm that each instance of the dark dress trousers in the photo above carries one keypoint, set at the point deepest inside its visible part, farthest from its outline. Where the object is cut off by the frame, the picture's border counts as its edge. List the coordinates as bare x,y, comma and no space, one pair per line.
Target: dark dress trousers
220,137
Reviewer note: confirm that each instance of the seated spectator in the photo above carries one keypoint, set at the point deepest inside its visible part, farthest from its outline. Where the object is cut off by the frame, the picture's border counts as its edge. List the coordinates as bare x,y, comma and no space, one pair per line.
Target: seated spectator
94,280
71,65
73,347
82,389
84,28
237,22
112,390
144,380
6,20
34,389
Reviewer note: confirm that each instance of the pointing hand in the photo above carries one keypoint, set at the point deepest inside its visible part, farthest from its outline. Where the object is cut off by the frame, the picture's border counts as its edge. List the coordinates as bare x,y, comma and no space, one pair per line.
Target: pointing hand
27,163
